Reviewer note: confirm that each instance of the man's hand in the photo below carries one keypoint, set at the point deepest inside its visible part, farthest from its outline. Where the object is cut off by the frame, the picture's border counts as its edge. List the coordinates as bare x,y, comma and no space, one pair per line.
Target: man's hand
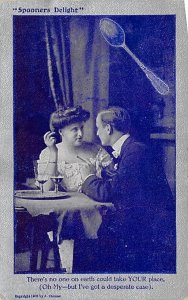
50,140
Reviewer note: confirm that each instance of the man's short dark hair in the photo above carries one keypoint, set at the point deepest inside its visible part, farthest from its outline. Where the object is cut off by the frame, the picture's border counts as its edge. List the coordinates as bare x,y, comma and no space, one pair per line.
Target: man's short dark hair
117,117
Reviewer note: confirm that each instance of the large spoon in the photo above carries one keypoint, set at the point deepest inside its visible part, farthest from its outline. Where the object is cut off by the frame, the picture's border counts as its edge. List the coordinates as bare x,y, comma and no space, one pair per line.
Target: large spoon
114,34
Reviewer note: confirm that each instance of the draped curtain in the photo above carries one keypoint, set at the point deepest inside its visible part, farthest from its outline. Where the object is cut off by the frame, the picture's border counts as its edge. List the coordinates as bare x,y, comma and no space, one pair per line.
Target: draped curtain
78,65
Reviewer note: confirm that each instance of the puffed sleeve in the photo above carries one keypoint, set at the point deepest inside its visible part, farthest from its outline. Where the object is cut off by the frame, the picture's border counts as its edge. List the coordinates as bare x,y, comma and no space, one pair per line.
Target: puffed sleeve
44,160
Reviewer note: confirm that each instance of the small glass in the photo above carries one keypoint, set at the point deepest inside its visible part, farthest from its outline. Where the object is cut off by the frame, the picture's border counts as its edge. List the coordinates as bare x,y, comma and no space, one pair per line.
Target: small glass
40,176
56,180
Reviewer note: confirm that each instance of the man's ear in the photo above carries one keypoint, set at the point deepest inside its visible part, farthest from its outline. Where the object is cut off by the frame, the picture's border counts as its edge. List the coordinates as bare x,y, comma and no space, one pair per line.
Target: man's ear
109,129
60,132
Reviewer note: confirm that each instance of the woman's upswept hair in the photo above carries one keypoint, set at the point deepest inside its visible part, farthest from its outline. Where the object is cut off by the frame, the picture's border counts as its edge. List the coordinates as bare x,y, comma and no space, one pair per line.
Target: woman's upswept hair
62,118
117,117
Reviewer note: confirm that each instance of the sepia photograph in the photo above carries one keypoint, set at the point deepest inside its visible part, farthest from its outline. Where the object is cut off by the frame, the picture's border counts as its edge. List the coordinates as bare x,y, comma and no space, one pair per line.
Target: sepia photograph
94,121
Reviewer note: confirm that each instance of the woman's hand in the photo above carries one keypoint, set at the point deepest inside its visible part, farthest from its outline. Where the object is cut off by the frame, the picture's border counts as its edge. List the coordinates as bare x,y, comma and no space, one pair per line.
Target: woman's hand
50,140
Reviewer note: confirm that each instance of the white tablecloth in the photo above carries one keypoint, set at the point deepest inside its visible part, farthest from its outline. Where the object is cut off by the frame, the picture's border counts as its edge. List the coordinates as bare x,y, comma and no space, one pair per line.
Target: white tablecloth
89,209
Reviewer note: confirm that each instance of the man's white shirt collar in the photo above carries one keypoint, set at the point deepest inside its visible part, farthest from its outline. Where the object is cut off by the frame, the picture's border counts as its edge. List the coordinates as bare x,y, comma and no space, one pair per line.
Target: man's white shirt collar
118,145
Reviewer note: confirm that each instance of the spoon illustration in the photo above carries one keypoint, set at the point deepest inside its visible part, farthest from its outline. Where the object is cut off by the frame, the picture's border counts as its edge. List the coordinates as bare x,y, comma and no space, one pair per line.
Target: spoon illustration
114,35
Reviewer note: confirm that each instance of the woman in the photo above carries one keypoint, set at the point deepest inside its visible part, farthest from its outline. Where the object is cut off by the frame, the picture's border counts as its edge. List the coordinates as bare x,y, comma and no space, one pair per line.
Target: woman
68,157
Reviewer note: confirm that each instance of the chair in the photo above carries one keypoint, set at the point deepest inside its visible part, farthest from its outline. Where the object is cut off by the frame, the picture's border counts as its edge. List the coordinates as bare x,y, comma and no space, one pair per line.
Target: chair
22,229
41,225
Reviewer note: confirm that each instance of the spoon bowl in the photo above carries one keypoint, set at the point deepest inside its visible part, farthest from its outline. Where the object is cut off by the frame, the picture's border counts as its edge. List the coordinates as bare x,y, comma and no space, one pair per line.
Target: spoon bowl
112,32
114,35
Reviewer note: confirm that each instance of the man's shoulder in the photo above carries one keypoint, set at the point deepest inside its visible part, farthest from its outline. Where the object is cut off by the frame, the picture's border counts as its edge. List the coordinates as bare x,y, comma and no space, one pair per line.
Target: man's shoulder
131,144
133,149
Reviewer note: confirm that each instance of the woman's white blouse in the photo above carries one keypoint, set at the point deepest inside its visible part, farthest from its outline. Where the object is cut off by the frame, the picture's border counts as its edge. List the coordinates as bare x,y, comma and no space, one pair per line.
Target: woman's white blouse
72,178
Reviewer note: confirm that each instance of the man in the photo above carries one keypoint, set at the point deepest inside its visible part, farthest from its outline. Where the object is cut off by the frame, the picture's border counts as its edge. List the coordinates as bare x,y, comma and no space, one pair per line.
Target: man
141,232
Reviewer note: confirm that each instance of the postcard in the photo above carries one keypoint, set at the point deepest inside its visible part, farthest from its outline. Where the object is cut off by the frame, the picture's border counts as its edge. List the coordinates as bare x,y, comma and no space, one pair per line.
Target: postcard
93,121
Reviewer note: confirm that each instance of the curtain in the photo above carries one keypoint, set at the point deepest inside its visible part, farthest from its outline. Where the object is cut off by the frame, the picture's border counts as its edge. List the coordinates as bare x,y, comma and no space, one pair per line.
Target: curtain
78,65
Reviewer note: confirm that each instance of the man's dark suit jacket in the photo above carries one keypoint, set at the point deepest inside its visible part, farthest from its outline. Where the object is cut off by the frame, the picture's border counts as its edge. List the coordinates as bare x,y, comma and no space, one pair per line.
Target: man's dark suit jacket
141,195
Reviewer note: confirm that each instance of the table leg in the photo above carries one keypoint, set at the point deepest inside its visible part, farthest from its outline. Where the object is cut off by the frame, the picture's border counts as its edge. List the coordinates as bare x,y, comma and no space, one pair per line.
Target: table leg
56,250
66,249
34,251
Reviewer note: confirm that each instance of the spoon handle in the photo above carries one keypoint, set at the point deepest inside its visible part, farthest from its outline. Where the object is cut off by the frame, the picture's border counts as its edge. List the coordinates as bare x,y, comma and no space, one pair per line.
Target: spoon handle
160,86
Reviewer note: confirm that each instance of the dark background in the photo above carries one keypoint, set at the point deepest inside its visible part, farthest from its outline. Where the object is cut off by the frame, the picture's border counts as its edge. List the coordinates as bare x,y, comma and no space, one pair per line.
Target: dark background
153,42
